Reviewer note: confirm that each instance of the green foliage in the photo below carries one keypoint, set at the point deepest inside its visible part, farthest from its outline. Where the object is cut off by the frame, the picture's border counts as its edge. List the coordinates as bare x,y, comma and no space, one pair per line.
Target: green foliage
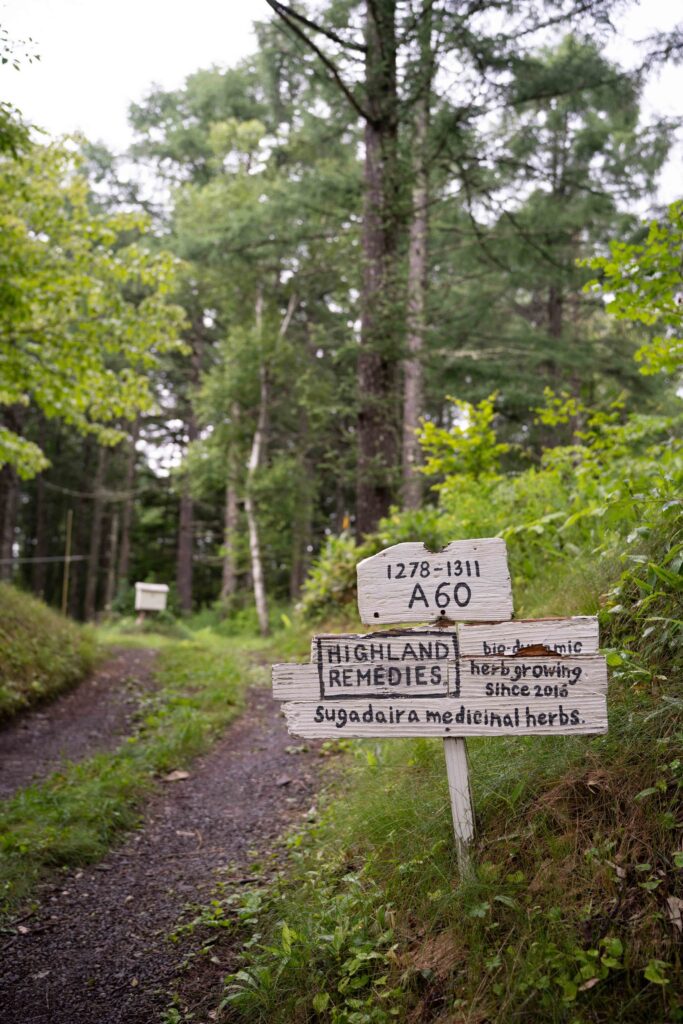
579,508
350,928
74,815
577,851
41,653
642,283
331,581
469,448
84,311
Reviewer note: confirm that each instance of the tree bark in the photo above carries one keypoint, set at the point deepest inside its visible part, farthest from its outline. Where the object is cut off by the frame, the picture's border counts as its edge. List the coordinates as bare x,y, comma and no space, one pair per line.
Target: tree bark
555,311
250,508
257,446
301,537
128,506
230,521
379,343
110,591
9,498
39,574
9,505
413,386
92,572
184,564
255,458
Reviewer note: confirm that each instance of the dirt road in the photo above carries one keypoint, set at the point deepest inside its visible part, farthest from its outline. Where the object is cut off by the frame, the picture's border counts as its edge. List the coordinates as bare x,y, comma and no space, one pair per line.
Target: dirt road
96,951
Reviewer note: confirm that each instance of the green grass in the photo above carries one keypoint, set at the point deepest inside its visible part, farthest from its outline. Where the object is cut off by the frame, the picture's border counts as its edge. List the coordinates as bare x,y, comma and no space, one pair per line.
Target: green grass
77,813
565,916
41,652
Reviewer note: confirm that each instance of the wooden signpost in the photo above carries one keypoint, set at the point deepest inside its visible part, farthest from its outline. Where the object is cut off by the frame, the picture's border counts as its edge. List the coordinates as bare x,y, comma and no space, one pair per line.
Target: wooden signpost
473,671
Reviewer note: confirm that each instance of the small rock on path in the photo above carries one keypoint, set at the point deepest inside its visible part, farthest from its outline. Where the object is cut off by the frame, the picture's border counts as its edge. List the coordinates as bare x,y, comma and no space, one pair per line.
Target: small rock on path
97,951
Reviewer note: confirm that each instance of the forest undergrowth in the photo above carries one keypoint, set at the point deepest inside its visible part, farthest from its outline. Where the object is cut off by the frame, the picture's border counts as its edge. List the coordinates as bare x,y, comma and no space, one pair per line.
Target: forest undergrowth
572,909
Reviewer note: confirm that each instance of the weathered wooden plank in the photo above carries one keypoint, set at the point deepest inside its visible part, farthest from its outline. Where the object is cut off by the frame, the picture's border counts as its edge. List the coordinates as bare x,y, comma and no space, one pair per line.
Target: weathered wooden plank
393,637
399,647
295,682
580,713
350,680
467,581
577,636
522,678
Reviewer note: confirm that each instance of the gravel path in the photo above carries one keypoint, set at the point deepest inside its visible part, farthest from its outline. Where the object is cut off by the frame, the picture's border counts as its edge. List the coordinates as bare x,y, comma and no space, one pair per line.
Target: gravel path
96,952
93,717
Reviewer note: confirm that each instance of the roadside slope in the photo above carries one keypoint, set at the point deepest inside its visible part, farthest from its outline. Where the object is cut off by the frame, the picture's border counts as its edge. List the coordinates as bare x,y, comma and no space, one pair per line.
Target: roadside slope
41,652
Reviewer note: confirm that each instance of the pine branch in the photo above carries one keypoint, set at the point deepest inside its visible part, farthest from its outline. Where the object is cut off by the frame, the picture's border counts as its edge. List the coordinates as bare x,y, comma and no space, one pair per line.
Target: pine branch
285,14
346,44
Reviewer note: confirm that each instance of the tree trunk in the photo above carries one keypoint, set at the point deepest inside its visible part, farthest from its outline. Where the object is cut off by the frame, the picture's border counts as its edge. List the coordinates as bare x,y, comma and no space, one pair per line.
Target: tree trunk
555,311
380,327
9,505
92,572
231,515
184,564
417,286
184,567
128,506
303,519
13,417
39,573
110,592
301,536
255,457
249,506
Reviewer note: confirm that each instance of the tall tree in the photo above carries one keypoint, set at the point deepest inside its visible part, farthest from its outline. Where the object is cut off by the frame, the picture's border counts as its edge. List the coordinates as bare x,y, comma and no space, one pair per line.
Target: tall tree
418,262
83,313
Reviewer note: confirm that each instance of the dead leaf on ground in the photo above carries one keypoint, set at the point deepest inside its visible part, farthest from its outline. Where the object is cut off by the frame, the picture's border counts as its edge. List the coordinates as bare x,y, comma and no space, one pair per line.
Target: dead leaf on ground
176,776
438,953
283,780
675,906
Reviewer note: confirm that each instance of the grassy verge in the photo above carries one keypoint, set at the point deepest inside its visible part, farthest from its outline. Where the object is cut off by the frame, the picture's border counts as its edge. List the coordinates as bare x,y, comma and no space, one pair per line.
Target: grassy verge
41,652
571,913
74,815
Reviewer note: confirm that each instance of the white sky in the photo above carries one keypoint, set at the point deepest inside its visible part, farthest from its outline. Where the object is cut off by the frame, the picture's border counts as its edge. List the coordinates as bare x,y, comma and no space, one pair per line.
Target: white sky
97,57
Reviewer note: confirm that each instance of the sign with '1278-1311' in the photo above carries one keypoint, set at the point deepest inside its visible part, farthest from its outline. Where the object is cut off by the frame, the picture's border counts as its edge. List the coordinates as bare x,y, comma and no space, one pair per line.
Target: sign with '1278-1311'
467,580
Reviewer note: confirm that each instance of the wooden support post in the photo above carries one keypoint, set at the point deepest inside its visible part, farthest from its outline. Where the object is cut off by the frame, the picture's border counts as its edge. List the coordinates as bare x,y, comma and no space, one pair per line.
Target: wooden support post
461,801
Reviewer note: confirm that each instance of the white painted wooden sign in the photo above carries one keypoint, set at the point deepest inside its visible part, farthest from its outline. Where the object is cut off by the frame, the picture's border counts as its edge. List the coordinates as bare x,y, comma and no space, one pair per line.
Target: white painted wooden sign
451,679
577,636
529,677
468,581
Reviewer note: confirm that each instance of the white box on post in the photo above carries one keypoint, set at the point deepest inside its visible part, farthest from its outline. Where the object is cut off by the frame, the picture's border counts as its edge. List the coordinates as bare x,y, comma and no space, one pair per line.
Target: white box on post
150,597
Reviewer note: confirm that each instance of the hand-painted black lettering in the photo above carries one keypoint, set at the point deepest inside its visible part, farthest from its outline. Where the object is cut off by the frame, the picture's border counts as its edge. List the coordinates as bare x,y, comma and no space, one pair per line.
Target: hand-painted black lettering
418,594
